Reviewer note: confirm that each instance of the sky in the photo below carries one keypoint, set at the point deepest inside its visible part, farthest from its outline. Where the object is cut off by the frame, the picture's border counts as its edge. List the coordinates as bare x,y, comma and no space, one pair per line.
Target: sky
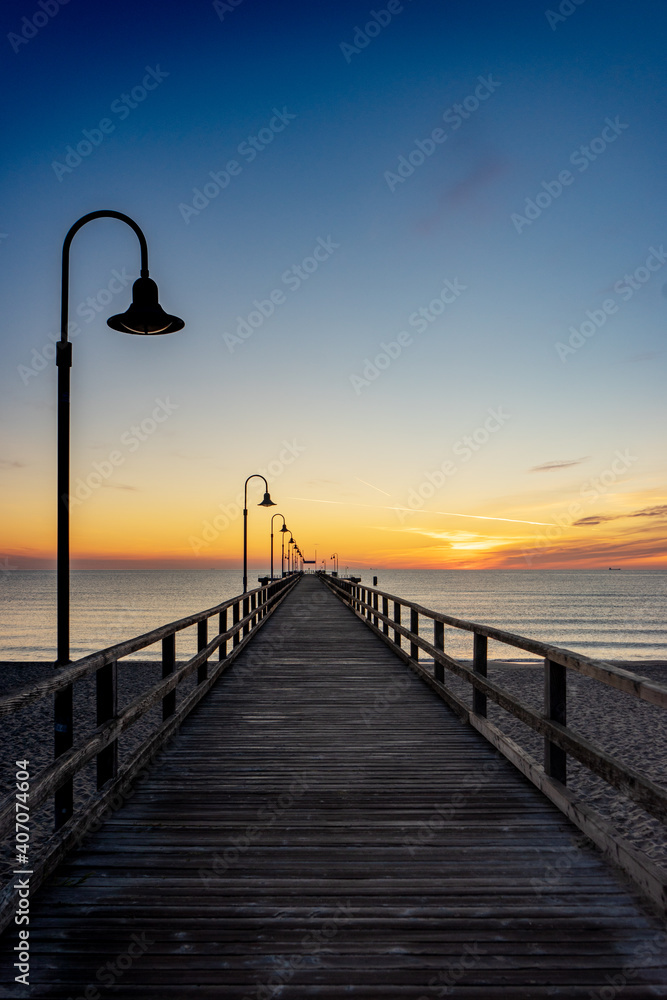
418,248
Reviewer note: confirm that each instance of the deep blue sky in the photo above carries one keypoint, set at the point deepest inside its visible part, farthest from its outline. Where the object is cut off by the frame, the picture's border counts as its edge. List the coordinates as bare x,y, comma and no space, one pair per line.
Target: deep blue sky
323,177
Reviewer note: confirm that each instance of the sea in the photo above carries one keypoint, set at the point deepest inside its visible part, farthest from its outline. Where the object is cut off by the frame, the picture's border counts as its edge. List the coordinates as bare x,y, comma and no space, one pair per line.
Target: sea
618,615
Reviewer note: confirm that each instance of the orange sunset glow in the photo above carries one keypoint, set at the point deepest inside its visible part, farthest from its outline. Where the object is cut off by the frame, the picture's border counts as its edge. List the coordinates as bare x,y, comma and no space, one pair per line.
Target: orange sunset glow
124,526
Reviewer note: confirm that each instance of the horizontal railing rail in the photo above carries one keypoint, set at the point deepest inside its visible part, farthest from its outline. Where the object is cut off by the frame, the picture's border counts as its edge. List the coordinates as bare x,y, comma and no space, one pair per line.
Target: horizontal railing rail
560,741
249,611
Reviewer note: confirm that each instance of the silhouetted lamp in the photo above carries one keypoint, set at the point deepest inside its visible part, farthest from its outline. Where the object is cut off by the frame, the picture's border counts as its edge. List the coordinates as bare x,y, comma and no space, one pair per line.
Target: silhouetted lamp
282,557
283,530
266,502
144,316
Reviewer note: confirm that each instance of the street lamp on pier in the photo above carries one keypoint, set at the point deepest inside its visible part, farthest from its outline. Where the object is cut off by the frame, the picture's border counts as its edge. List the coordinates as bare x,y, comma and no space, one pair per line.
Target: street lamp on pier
145,317
282,554
266,502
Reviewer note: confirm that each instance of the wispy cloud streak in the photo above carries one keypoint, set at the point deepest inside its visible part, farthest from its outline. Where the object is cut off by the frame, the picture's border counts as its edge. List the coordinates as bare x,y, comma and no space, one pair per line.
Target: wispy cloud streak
445,513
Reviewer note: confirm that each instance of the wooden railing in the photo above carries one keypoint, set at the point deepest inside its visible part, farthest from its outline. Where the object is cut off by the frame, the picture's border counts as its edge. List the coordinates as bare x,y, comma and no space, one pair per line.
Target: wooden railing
55,782
560,741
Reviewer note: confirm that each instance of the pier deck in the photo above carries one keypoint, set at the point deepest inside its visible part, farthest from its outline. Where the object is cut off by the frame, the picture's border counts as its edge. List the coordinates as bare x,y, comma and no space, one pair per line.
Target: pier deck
323,826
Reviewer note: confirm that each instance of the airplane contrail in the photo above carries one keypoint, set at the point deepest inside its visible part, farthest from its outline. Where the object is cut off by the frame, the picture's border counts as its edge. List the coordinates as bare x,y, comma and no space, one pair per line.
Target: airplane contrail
445,513
372,487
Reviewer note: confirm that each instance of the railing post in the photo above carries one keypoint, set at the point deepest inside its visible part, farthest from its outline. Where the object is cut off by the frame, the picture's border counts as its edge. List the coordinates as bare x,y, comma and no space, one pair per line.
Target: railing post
397,619
385,612
107,708
439,643
246,612
479,663
555,709
375,605
253,607
236,617
202,643
63,725
222,628
168,664
414,628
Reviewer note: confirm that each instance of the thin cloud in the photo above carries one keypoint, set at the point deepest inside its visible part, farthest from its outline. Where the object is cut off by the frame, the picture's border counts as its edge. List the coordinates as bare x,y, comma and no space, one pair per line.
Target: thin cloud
564,464
456,536
8,463
649,356
478,178
660,511
595,519
464,191
120,486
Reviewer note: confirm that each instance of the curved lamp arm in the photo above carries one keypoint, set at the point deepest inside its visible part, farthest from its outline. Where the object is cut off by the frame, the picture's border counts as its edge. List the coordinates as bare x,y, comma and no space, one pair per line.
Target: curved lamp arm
255,475
264,503
103,214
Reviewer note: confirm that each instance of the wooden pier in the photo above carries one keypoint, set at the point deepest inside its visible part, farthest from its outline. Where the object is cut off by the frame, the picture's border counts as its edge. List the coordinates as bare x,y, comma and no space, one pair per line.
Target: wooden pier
323,825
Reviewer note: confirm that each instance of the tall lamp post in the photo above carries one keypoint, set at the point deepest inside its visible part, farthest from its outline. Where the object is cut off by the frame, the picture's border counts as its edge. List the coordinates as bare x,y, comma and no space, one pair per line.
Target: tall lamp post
283,530
335,562
145,316
266,502
290,551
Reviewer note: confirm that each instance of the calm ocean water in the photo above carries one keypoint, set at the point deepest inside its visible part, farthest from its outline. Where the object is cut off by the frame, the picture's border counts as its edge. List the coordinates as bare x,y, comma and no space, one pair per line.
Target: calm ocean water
609,615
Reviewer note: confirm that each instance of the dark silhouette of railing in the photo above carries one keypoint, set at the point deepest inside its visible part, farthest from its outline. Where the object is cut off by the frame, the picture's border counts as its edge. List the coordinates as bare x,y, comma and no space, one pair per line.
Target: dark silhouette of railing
560,741
248,611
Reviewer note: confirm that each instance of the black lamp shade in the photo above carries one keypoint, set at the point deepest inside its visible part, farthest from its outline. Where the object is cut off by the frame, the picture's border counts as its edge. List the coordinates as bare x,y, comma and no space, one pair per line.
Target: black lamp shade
284,528
145,315
266,502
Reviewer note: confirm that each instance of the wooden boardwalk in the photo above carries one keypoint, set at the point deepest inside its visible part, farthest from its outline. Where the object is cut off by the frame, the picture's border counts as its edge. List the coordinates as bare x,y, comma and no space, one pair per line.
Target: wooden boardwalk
323,826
